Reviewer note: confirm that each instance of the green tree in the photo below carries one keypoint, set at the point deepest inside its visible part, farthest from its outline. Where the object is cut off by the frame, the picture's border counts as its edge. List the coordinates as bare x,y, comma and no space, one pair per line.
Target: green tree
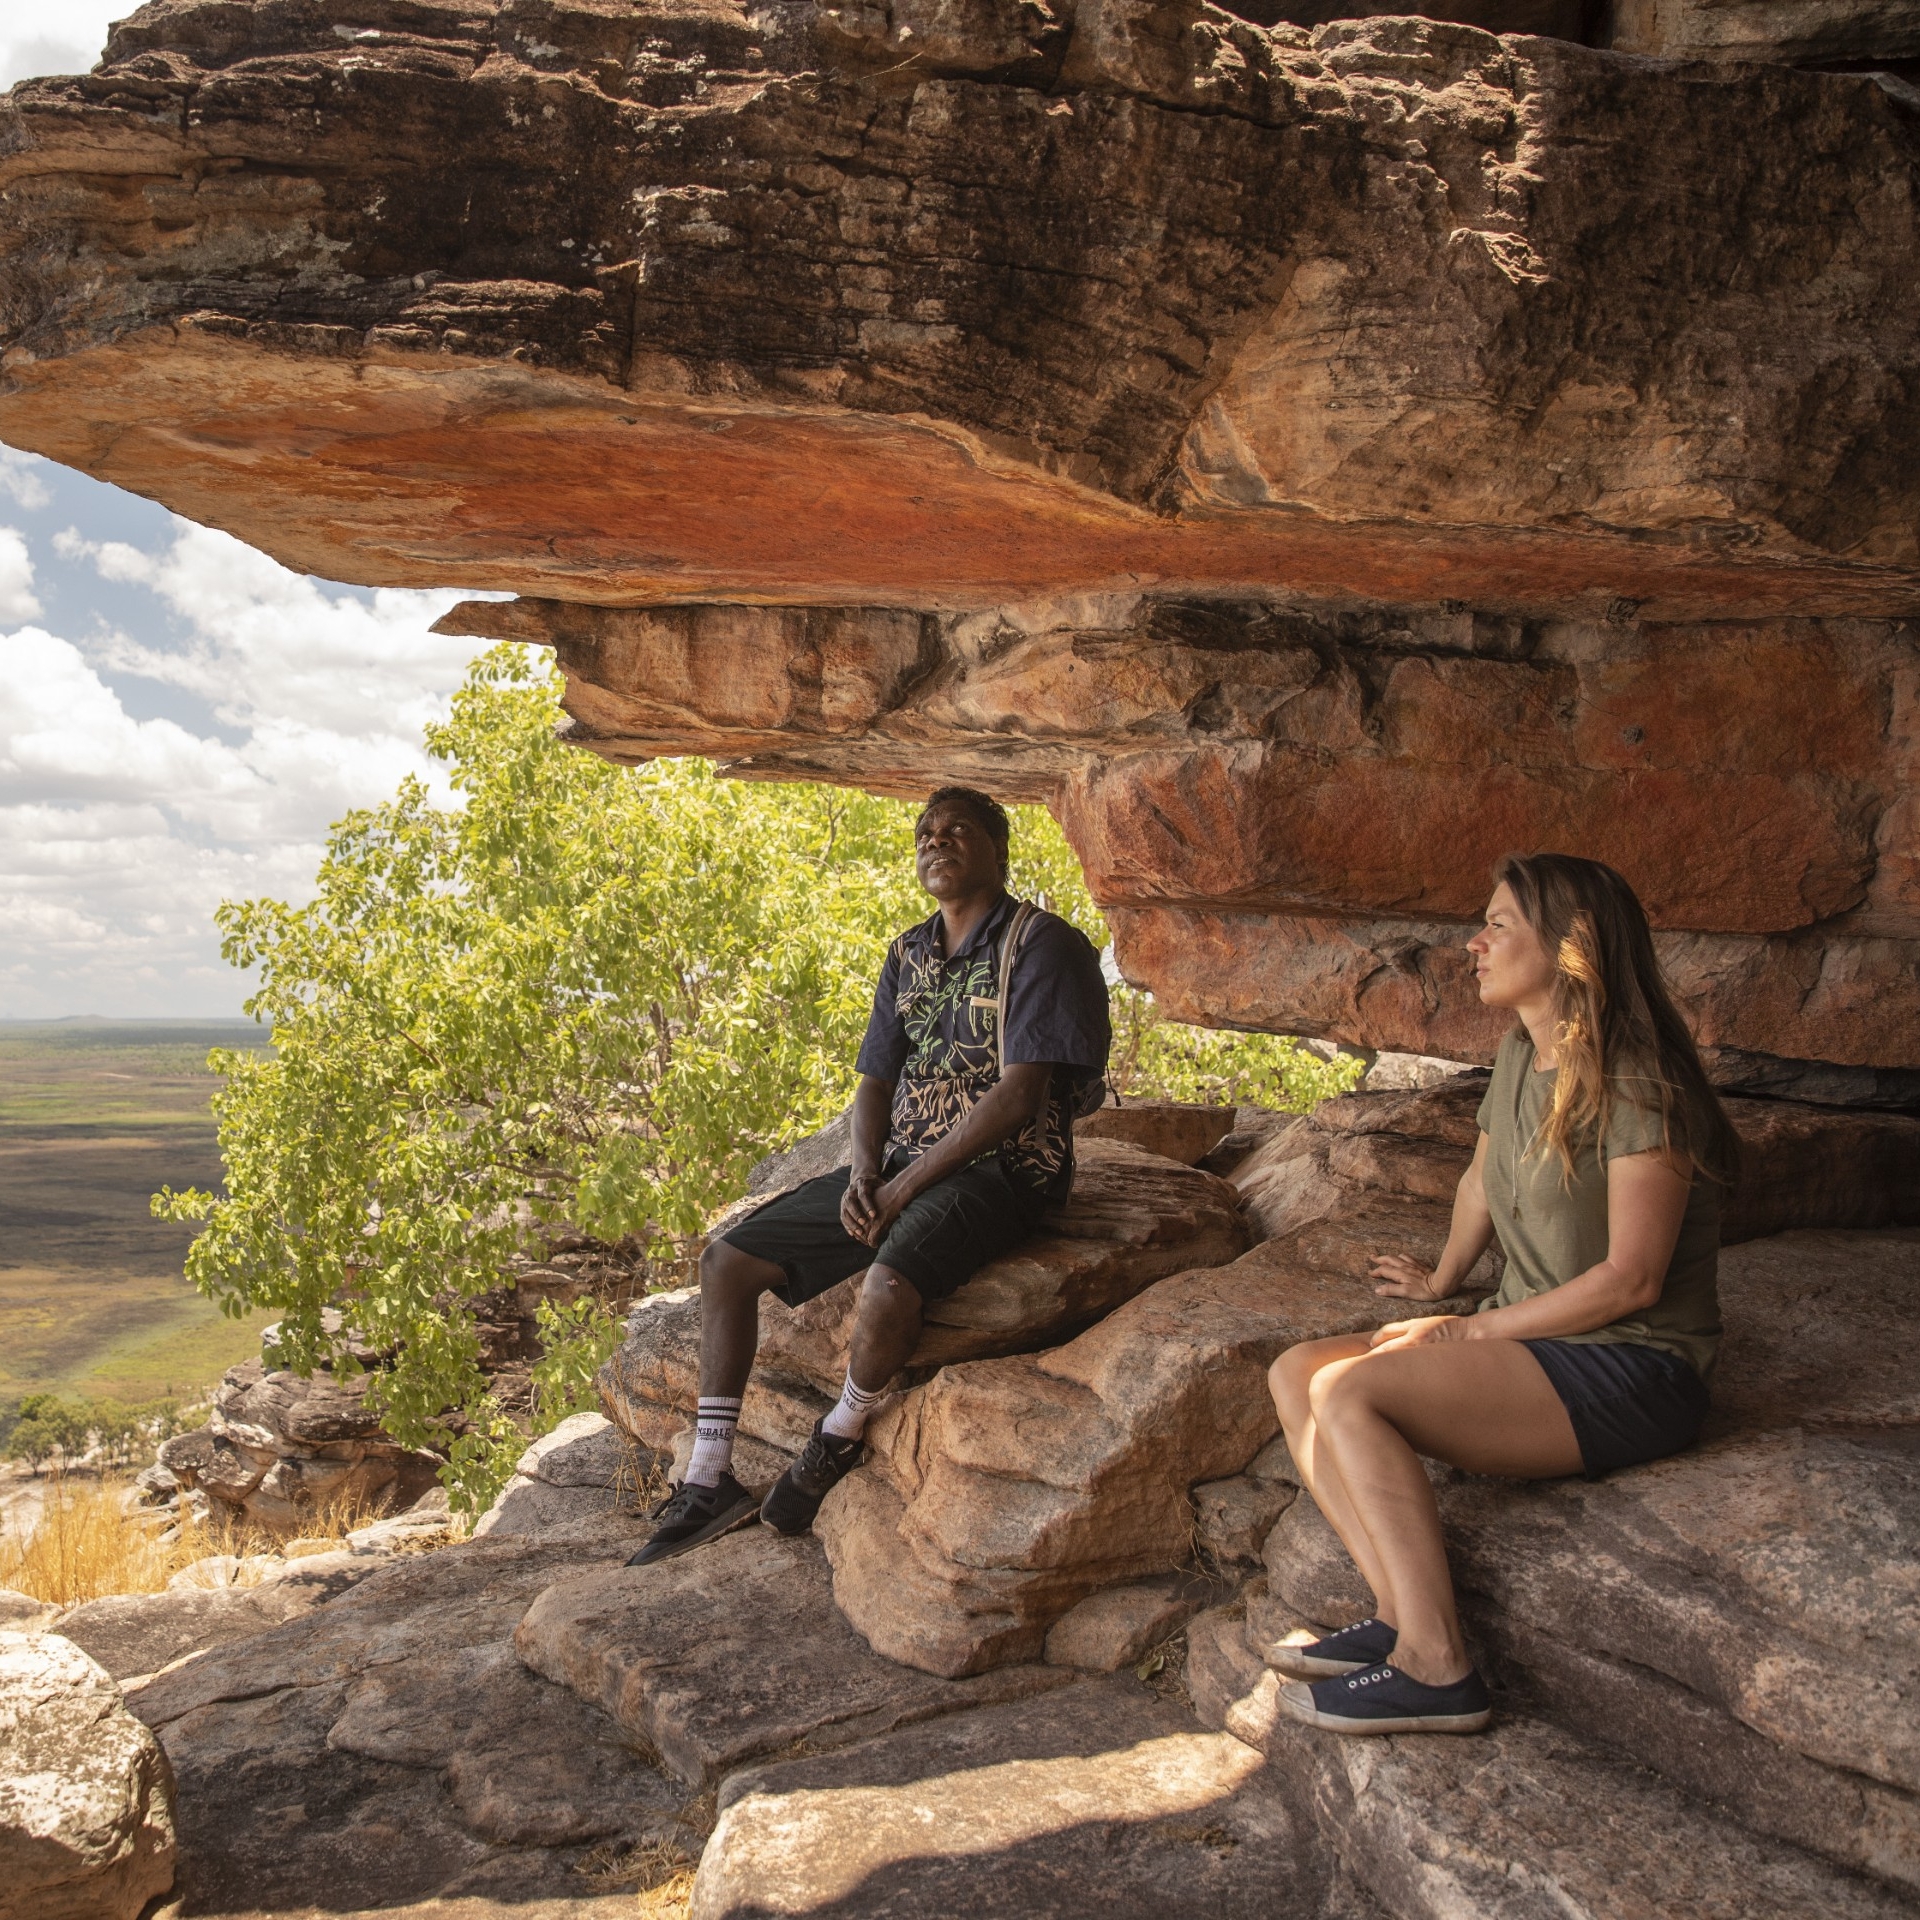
48,1425
583,994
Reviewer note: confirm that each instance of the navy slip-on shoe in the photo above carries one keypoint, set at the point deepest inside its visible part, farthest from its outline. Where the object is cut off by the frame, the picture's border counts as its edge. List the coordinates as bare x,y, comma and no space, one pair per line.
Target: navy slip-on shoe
1384,1700
1367,1643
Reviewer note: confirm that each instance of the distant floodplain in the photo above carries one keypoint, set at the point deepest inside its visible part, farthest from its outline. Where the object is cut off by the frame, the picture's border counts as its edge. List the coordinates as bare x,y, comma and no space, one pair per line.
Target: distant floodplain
95,1115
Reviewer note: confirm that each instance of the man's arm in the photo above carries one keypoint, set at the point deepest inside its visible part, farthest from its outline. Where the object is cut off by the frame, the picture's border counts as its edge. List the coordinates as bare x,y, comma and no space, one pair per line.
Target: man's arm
1014,1102
872,1119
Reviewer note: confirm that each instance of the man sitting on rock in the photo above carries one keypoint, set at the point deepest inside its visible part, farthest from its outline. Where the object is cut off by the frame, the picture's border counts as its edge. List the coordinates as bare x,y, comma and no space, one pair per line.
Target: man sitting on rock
989,1023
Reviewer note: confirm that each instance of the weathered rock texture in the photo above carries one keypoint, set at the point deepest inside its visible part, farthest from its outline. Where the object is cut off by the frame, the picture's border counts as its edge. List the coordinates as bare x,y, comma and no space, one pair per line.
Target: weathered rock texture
86,1796
277,1446
1004,1491
1312,459
1132,1218
1099,1800
580,1481
388,1751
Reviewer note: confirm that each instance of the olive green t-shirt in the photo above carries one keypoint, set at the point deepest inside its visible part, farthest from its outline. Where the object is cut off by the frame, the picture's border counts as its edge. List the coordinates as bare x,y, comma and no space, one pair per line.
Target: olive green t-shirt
1553,1229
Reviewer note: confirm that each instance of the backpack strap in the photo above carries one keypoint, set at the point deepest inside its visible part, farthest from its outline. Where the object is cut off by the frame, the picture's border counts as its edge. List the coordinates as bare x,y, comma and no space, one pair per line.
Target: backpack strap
1016,931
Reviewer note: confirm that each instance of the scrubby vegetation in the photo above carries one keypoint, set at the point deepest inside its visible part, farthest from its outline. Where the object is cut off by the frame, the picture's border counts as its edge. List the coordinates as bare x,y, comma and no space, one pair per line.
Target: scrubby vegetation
583,995
53,1428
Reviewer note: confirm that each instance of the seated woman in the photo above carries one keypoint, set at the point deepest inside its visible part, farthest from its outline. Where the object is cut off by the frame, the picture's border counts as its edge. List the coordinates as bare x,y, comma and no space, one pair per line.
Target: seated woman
1601,1158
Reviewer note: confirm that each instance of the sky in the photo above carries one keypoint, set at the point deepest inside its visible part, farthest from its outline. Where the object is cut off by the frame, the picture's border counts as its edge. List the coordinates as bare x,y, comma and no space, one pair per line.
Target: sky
180,720
54,36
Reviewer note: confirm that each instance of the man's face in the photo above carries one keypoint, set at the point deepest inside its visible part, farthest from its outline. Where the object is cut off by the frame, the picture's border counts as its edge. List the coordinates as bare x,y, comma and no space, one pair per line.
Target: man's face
953,853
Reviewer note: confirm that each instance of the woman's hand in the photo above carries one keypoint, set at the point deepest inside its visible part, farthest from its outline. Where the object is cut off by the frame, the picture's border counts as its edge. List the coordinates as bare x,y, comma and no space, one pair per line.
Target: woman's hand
1421,1333
1405,1279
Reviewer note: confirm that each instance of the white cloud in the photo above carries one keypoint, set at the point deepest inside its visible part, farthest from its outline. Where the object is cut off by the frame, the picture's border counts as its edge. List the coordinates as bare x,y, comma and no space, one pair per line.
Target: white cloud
54,36
269,642
121,831
65,736
17,598
20,479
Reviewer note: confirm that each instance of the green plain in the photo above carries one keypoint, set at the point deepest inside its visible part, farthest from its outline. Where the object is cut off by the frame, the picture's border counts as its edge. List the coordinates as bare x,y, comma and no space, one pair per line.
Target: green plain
94,1117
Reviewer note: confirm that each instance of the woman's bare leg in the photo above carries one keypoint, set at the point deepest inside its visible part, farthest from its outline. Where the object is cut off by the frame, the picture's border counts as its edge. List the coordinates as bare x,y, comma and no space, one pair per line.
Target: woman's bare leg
1486,1406
1291,1379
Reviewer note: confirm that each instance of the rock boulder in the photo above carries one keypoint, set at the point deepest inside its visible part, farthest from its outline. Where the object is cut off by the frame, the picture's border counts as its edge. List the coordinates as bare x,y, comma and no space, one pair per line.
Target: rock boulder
277,1445
1175,1130
579,1482
1132,1218
1487,441
86,1797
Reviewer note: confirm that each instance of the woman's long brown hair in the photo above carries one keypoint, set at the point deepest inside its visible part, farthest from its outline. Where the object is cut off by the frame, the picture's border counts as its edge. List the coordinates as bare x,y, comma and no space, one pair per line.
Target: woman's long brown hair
1618,1034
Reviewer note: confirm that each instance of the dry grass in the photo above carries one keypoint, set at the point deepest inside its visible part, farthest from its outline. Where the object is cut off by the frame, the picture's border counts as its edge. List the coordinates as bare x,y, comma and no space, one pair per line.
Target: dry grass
83,1546
660,1872
670,1900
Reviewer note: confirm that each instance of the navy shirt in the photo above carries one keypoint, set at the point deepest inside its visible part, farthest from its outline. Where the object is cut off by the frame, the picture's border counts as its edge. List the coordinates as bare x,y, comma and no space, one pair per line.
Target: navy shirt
932,1035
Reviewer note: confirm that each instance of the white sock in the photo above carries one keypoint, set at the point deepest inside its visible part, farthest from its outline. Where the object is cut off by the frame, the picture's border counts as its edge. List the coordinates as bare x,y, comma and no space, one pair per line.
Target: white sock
848,1420
714,1425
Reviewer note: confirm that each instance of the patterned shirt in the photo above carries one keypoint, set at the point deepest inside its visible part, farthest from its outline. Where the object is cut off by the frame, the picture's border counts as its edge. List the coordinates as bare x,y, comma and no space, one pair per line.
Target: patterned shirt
932,1035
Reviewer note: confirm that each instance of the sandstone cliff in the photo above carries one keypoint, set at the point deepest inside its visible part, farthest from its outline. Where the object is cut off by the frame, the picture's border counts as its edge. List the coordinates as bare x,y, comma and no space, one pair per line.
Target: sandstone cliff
1312,458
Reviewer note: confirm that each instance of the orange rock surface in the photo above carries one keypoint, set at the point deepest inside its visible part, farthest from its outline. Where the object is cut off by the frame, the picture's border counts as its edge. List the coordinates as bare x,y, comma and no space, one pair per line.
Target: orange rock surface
1314,460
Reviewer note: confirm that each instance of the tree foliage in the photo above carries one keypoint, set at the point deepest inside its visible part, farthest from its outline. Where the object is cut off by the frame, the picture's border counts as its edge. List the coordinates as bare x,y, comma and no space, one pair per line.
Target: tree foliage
58,1427
582,994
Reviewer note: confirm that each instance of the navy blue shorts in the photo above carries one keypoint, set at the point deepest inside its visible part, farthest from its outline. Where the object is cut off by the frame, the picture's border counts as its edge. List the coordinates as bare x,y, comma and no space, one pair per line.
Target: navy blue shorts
1628,1404
942,1238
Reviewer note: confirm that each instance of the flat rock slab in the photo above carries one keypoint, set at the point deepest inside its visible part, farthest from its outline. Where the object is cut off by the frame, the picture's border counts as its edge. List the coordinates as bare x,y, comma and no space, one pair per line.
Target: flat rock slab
1175,1129
418,1604
389,1753
86,1815
1526,1822
132,1634
736,1651
1099,1801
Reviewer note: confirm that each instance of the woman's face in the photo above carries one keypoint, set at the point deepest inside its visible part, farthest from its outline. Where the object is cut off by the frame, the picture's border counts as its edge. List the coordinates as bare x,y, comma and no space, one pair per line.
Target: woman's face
1509,959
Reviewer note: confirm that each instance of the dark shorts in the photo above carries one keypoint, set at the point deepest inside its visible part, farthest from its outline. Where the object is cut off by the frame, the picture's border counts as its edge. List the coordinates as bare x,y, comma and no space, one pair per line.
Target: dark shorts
940,1241
1628,1404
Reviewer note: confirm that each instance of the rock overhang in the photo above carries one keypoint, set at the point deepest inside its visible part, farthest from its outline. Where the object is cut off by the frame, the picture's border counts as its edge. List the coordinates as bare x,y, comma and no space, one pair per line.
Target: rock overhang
1312,462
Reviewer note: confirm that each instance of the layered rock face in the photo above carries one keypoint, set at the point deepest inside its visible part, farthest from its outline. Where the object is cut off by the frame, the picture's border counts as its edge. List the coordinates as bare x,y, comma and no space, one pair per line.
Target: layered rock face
1312,458
278,1446
1004,1491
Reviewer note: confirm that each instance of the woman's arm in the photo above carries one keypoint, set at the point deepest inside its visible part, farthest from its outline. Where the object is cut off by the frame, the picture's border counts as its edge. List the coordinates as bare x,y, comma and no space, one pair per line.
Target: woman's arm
1646,1202
1467,1239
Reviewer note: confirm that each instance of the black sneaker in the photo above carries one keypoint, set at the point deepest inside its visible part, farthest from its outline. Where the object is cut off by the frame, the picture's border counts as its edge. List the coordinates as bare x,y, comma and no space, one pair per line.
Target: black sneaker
1384,1700
1367,1643
690,1515
795,1497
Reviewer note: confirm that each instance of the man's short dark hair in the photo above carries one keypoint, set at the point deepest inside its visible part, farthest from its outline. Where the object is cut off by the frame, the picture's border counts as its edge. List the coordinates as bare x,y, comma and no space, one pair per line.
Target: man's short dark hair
987,812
